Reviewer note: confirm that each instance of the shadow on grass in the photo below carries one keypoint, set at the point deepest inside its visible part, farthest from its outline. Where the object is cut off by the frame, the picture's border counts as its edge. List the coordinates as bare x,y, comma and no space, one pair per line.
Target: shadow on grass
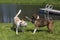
14,29
37,30
28,30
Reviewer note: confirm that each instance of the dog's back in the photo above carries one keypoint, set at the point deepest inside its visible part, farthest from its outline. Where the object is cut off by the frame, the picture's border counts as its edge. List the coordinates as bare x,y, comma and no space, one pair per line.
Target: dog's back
16,20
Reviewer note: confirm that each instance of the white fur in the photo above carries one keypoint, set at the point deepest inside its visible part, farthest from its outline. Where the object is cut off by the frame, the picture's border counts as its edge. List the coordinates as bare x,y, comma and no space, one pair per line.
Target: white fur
37,16
18,12
34,30
18,22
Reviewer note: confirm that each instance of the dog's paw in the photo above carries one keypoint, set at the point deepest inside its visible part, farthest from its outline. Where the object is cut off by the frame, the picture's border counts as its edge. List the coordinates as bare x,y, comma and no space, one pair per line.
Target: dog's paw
16,33
33,33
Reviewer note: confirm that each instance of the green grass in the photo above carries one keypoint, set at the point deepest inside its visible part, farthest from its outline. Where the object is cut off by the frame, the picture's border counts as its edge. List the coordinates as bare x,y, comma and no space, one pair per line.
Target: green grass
38,2
7,34
55,3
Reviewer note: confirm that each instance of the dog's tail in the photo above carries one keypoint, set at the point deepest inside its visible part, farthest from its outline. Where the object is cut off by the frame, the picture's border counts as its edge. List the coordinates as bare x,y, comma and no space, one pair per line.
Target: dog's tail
18,12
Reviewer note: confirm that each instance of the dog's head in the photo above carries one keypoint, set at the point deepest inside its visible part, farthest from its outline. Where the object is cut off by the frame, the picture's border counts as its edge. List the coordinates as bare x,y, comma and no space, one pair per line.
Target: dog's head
23,23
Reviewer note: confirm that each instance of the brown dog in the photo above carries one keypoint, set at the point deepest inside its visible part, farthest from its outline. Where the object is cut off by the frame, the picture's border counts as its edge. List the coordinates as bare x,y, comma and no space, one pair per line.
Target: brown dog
39,22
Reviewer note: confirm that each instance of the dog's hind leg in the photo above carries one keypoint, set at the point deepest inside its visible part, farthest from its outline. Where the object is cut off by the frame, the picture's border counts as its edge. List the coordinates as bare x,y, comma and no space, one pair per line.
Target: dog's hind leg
50,27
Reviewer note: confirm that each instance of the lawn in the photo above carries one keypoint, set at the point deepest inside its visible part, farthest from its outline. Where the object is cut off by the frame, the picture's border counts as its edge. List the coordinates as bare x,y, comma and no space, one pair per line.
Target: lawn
38,2
6,33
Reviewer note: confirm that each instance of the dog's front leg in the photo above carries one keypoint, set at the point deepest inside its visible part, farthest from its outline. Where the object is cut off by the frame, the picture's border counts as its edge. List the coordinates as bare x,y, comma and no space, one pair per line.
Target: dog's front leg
17,29
34,30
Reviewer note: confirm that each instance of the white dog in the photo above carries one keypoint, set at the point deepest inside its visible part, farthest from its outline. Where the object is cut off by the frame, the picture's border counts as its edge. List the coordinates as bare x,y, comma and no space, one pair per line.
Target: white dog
18,22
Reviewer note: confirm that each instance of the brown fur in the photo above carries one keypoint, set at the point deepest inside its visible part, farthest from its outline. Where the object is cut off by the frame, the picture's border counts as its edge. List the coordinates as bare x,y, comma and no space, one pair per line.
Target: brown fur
42,22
